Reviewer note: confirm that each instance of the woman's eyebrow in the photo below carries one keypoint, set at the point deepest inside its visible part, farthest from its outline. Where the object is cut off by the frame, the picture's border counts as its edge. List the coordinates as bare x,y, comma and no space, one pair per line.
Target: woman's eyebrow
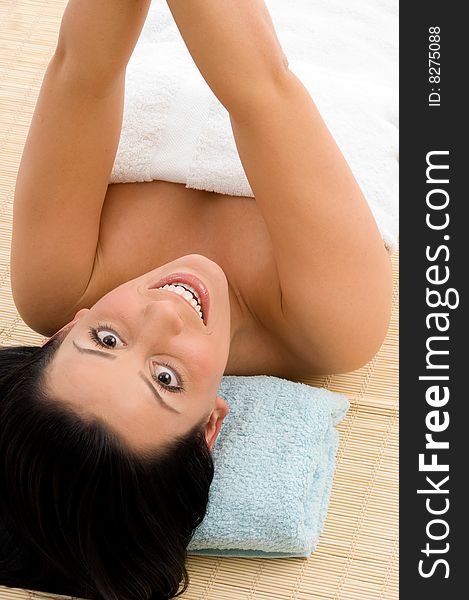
157,395
91,351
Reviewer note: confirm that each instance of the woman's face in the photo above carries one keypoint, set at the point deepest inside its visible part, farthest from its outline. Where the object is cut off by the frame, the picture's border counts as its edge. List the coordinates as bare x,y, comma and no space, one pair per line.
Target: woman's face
144,361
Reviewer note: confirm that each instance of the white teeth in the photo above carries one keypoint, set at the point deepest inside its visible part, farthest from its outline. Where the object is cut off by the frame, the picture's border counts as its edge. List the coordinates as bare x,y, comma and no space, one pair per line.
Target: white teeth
190,289
182,290
187,296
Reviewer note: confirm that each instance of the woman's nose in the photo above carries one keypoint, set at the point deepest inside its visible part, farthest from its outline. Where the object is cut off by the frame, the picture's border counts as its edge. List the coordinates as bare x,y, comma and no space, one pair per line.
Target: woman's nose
163,315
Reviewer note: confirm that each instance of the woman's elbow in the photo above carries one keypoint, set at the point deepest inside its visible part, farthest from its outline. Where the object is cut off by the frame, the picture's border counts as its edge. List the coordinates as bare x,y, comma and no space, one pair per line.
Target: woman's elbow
366,340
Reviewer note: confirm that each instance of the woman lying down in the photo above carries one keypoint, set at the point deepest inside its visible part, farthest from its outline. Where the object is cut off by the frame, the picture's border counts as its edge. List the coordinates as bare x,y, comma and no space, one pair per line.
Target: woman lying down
151,292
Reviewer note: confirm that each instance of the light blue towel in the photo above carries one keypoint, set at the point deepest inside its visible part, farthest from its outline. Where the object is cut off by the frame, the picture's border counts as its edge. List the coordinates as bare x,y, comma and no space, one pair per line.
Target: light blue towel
274,464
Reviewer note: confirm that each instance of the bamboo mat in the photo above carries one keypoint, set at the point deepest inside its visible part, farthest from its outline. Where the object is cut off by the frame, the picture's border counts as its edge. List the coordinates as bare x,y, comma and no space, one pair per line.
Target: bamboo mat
357,556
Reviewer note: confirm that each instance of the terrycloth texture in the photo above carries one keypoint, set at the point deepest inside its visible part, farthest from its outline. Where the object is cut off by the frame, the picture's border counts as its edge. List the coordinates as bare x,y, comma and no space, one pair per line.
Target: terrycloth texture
274,465
345,53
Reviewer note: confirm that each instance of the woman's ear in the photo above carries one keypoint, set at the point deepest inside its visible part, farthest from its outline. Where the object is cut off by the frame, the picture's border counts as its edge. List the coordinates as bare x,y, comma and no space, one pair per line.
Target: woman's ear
215,421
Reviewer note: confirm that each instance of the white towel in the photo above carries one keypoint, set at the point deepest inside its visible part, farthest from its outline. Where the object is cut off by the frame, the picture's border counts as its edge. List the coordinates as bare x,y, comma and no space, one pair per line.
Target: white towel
345,53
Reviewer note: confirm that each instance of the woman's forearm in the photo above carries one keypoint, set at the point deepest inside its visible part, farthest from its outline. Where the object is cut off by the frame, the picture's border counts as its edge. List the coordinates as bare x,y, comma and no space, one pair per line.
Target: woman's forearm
98,37
233,43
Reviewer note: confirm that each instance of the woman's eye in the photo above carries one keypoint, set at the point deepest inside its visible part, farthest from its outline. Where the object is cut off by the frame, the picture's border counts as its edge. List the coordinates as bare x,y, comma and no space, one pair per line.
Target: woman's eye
166,377
106,337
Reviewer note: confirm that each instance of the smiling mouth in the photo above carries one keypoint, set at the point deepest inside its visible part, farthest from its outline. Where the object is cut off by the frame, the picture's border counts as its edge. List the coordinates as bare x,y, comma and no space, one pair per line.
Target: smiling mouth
188,294
190,288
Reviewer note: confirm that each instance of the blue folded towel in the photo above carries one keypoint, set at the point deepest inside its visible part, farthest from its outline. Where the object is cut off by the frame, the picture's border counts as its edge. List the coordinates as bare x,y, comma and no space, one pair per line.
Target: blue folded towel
274,464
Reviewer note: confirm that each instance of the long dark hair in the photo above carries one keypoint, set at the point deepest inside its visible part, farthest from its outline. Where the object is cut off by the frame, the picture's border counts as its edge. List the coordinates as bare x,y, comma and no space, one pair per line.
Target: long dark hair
81,513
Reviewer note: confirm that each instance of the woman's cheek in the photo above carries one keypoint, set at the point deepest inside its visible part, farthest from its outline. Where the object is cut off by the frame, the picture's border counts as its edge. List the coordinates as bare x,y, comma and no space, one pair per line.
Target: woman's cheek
119,300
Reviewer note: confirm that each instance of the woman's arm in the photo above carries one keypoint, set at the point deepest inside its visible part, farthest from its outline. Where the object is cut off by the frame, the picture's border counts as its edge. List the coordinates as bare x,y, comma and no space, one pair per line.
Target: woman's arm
98,38
68,157
334,272
234,45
